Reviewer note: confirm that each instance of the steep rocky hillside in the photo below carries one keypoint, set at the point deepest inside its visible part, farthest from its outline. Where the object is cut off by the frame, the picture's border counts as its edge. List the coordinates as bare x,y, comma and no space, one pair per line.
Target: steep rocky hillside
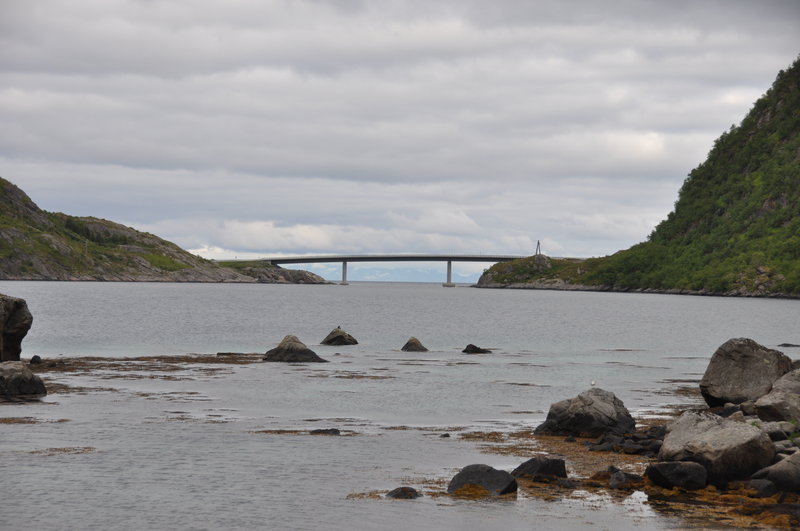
735,228
39,245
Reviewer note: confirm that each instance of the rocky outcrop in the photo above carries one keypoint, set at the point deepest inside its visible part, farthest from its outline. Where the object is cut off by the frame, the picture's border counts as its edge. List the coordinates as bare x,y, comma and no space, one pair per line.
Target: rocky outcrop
742,370
477,480
414,345
292,350
782,403
15,321
339,337
727,449
277,275
590,414
785,474
683,474
541,468
472,349
18,382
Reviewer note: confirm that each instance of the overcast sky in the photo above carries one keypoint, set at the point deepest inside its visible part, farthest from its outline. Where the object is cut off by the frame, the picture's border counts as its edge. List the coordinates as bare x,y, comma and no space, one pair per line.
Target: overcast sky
254,127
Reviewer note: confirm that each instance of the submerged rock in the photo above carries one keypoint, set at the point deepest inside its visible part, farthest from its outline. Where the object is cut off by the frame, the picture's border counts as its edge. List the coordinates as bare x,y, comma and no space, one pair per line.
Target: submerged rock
15,321
475,479
590,414
292,350
18,381
742,370
472,349
404,493
727,449
339,337
414,345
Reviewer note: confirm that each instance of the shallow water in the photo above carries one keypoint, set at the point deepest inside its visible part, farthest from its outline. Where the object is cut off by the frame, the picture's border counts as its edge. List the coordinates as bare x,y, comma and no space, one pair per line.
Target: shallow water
182,449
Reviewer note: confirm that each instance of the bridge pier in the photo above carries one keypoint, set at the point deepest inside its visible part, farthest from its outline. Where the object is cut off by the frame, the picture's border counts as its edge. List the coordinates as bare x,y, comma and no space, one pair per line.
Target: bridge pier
344,274
449,283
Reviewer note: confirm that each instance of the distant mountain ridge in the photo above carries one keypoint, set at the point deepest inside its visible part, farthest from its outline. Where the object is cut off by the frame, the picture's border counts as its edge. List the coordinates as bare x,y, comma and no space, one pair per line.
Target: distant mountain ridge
40,245
735,229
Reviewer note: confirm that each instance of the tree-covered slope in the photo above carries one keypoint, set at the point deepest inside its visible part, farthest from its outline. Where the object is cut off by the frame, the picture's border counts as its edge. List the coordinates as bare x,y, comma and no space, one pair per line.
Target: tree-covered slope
40,245
735,228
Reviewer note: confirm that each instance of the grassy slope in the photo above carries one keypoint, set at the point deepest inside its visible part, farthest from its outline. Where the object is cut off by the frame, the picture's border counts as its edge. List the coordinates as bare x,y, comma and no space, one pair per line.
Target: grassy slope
736,223
35,244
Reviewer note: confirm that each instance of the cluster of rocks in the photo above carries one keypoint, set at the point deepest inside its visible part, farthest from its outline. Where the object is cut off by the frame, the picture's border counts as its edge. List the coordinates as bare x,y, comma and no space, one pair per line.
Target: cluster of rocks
746,438
292,350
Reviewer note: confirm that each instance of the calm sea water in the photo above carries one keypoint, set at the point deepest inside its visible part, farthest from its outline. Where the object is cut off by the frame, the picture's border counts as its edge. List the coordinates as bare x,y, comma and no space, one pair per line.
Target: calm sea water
181,450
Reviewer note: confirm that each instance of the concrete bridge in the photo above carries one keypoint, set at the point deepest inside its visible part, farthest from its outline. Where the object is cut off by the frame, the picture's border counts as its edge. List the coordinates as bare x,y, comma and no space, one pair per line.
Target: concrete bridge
345,259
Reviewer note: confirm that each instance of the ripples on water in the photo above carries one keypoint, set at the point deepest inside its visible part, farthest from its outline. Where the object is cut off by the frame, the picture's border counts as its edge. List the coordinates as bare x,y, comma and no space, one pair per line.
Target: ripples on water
182,449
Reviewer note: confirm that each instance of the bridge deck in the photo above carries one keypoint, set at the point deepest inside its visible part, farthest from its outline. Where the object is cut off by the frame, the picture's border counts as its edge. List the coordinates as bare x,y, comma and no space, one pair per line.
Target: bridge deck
390,258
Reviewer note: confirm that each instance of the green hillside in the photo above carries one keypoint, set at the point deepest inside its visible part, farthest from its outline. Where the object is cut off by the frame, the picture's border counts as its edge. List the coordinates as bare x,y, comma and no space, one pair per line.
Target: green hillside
735,228
40,245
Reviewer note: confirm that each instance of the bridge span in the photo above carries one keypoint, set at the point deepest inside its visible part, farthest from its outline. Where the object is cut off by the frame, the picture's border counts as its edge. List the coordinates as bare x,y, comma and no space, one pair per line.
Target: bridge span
345,259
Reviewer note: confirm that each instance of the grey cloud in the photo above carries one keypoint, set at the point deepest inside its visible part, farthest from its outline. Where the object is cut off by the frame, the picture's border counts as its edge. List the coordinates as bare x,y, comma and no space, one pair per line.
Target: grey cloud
378,124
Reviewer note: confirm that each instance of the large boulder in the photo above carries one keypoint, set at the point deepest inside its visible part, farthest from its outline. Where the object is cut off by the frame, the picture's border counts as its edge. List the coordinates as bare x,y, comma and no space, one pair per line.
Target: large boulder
15,321
742,370
482,480
339,337
783,401
291,349
727,449
683,474
17,381
414,345
590,414
785,474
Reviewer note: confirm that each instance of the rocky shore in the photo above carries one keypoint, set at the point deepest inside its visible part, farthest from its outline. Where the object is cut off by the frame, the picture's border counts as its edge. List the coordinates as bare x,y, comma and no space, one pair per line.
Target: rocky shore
735,462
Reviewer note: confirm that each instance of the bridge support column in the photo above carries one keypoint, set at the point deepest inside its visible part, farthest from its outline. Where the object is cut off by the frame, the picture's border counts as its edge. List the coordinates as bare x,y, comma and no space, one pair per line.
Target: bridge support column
344,274
449,283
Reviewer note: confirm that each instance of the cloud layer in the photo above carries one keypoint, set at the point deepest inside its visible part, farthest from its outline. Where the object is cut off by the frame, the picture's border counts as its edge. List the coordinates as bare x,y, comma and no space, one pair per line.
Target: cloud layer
377,126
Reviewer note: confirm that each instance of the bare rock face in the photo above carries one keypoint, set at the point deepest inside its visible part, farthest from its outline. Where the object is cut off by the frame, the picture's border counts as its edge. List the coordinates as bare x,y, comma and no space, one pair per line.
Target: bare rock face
590,414
339,337
782,403
541,468
727,449
479,478
292,350
15,321
742,370
414,345
683,474
17,381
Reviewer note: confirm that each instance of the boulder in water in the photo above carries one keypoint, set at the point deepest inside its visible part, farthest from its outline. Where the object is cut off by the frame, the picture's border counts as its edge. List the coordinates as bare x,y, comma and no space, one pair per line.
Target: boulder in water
541,468
404,493
590,414
414,345
17,381
339,337
742,370
482,480
15,321
292,350
472,349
